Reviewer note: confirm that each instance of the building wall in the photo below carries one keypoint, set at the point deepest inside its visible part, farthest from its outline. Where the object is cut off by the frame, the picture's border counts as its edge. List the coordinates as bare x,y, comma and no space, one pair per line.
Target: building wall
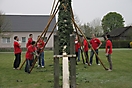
23,34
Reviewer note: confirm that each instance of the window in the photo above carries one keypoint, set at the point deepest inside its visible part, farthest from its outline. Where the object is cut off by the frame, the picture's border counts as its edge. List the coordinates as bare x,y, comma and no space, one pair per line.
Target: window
45,39
6,40
23,39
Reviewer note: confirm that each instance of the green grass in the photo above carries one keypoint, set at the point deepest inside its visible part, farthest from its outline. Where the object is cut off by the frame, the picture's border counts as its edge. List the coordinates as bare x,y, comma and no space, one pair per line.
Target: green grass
86,76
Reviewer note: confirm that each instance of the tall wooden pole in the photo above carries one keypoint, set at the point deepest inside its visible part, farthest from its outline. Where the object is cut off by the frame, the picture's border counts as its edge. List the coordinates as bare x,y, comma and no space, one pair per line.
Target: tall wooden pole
72,63
56,62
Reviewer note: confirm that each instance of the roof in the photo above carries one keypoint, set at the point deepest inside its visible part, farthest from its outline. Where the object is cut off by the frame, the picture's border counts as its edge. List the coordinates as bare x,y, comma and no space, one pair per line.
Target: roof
119,31
27,23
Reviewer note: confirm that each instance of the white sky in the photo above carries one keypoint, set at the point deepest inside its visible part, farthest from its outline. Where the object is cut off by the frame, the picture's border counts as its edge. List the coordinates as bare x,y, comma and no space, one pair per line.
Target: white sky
86,10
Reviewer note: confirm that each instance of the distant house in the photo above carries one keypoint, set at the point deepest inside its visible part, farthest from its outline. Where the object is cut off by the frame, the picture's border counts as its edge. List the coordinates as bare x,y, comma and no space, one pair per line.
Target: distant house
124,33
23,25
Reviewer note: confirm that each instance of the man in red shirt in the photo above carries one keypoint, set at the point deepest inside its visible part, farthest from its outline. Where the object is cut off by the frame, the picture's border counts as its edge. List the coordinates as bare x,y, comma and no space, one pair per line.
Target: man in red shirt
31,51
77,49
40,47
17,52
95,43
30,39
108,51
85,46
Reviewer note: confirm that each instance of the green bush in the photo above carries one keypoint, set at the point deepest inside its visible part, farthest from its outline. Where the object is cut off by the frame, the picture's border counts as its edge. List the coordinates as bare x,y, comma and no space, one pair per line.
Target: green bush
6,50
118,44
23,49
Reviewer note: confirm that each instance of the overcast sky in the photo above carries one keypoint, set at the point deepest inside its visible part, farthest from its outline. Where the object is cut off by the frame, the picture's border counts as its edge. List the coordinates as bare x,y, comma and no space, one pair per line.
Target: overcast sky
86,10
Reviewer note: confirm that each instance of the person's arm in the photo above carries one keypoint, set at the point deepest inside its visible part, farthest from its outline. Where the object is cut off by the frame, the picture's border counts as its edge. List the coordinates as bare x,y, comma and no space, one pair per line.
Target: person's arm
100,43
30,41
107,51
17,44
108,46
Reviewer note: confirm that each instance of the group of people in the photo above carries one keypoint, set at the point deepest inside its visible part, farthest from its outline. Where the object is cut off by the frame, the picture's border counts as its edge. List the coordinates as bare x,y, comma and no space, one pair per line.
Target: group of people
36,48
33,49
95,44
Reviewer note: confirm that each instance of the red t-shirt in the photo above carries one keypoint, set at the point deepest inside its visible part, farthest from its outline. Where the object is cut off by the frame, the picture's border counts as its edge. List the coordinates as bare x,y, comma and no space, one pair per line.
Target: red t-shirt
40,45
17,48
108,45
29,42
77,45
95,42
85,43
29,54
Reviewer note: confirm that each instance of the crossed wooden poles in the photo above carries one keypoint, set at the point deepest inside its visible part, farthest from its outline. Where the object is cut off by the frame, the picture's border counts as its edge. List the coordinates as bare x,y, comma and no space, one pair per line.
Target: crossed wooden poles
44,34
52,15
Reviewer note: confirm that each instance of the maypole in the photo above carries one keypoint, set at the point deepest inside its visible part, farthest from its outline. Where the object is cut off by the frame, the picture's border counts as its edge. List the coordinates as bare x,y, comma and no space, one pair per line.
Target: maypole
65,27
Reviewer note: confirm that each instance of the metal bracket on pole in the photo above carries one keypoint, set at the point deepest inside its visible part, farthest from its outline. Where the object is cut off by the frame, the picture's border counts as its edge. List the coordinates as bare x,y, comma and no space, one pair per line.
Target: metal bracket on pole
64,56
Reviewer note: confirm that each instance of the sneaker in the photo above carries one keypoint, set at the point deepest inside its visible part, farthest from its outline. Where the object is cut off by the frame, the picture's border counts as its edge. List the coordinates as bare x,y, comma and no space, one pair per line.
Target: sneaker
16,68
98,64
109,70
42,66
38,65
86,63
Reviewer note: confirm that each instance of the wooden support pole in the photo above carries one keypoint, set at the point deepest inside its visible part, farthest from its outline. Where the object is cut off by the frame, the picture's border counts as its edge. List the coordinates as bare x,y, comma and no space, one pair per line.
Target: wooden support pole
65,71
43,33
22,64
81,42
72,63
56,62
89,44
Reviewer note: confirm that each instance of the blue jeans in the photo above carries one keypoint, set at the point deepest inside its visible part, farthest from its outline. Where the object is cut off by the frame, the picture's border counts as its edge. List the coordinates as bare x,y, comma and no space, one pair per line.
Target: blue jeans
79,54
41,59
91,56
28,65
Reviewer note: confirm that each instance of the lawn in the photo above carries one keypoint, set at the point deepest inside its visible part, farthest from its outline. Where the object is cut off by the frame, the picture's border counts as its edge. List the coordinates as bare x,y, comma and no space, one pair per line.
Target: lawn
86,76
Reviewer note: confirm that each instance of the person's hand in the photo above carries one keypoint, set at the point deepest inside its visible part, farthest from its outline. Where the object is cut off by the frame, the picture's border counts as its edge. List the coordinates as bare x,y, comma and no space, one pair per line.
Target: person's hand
19,43
76,42
81,47
37,54
97,48
106,54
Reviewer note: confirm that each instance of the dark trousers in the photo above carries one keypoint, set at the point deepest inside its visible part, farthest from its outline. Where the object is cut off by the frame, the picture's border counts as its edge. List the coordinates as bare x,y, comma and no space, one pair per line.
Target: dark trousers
17,60
91,56
86,55
109,60
76,56
28,65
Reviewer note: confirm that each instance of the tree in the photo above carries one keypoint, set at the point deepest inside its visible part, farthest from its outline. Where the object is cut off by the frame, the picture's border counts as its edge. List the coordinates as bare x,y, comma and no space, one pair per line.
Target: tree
96,27
111,21
4,24
65,27
86,29
77,20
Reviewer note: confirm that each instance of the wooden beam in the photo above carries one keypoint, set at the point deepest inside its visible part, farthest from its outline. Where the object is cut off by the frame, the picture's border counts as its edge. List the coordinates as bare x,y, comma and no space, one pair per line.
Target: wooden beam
56,62
72,63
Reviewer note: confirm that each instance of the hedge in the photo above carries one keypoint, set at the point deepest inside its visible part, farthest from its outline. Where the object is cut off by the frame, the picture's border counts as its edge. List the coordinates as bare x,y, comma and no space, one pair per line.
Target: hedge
23,49
118,44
